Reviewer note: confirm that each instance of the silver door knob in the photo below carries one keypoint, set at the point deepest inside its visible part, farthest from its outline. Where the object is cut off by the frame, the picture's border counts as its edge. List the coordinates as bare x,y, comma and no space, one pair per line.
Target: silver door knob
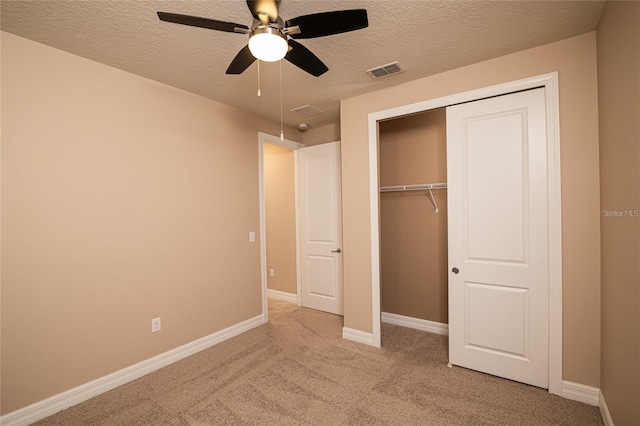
455,270
336,251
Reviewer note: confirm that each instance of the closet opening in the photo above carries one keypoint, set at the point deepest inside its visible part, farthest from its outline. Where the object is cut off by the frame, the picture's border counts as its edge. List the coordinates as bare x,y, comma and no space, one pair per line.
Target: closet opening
548,174
413,221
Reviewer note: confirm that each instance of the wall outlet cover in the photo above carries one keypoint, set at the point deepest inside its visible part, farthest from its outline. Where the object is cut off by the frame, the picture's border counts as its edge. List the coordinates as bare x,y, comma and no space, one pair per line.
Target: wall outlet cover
156,325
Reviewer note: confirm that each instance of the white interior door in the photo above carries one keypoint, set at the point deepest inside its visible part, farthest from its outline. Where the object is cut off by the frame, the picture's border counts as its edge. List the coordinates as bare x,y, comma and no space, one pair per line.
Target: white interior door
498,236
320,227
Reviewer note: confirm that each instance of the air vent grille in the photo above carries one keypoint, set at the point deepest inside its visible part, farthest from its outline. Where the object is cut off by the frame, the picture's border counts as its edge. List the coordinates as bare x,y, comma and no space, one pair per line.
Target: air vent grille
385,70
306,111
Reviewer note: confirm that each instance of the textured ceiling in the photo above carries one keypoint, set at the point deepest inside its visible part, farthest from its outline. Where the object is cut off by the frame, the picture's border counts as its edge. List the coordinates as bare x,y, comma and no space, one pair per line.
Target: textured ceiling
427,37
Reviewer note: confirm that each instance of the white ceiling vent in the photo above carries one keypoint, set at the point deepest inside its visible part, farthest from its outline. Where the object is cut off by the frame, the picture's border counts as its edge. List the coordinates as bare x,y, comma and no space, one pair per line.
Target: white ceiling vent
385,70
306,111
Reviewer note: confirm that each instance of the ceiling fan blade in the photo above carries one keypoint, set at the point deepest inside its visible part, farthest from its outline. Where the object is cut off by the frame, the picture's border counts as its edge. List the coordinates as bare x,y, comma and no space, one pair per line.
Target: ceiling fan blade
241,62
261,9
302,57
195,21
329,23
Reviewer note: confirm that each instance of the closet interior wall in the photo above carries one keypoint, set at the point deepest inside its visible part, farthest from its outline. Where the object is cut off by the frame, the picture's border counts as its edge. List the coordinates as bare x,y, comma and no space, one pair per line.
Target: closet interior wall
413,236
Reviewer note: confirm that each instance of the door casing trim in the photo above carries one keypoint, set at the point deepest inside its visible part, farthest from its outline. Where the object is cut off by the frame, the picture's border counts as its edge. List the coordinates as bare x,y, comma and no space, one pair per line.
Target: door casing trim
550,83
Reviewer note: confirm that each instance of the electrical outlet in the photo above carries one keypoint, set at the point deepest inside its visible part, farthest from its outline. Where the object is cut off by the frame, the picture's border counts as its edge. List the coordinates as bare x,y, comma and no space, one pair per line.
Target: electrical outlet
156,325
252,237
272,272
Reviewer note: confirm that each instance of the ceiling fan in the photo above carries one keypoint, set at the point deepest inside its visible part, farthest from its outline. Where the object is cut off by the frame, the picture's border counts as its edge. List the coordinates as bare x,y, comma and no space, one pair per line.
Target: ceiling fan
271,38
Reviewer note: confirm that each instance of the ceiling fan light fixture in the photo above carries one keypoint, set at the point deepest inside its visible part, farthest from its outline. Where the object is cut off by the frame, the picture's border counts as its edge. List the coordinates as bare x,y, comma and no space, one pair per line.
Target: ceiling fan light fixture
272,39
268,44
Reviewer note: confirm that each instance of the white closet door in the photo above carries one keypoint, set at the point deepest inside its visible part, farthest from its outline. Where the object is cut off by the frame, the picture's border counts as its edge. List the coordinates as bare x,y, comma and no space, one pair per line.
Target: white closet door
498,236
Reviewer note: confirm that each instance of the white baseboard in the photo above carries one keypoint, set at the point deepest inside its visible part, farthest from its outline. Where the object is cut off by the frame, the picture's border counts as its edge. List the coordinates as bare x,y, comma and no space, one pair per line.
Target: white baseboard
357,336
418,324
582,393
61,401
604,410
281,295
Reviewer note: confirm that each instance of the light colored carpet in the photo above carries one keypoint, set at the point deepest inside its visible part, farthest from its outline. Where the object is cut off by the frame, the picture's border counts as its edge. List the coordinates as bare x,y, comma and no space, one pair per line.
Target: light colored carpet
297,370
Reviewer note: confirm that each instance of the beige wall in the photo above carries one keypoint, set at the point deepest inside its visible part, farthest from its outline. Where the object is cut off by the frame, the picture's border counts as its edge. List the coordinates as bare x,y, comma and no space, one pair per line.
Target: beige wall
413,237
279,189
323,134
123,200
575,61
619,101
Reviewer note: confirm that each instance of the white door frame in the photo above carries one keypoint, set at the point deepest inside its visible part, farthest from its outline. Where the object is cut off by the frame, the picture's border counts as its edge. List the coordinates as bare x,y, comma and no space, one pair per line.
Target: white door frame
550,84
275,140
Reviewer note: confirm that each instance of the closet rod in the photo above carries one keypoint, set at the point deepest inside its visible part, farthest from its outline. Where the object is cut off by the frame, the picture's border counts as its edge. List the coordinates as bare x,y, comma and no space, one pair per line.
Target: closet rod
416,187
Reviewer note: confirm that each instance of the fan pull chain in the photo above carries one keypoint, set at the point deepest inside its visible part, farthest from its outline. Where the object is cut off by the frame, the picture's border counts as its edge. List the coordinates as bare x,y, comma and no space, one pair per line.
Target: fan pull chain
281,125
258,77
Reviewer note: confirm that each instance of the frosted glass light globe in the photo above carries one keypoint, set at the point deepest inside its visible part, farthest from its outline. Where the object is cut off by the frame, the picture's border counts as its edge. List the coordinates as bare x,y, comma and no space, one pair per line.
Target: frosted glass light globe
268,44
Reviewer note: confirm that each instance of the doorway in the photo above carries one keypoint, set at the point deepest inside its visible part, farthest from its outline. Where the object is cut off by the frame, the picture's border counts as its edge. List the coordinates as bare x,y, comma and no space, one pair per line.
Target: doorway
300,224
281,267
549,84
280,221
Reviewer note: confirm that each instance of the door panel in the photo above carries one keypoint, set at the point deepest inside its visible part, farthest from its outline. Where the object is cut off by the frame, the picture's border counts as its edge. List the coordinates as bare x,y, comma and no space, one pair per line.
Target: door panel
322,269
320,227
498,236
320,197
503,331
495,222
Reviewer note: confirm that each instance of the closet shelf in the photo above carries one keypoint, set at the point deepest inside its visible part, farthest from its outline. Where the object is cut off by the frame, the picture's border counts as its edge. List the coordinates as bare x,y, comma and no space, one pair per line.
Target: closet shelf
416,187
